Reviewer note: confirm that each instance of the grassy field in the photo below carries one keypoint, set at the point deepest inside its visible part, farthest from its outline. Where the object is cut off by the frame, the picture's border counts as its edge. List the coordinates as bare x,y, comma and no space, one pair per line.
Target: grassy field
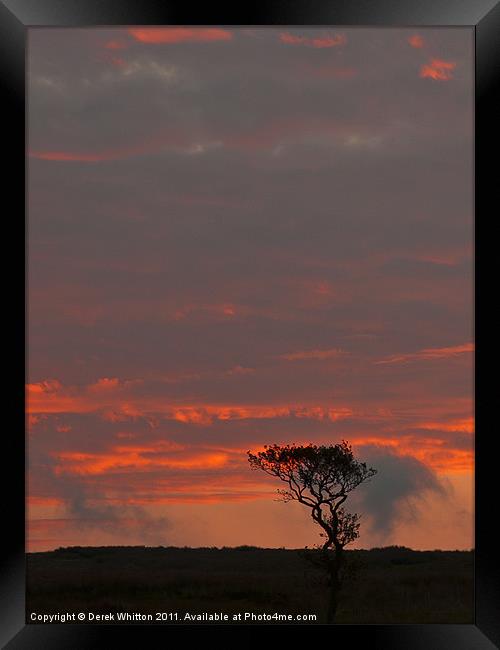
388,585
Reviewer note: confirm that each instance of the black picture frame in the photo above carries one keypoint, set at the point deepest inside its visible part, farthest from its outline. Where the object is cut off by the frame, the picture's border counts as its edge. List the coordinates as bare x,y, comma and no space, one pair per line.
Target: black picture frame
483,16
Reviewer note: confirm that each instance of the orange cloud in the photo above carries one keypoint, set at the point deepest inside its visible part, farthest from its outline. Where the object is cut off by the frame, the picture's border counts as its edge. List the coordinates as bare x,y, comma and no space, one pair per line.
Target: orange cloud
109,384
416,41
105,384
179,34
45,386
240,370
34,500
122,458
320,42
208,414
438,70
319,413
429,354
320,355
445,258
192,415
107,398
447,461
33,420
264,136
149,145
329,41
115,45
119,62
204,496
285,37
433,452
122,412
67,156
464,425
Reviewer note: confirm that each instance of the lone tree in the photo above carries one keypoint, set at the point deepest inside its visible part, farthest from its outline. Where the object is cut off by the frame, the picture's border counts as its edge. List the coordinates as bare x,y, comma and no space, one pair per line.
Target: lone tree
321,478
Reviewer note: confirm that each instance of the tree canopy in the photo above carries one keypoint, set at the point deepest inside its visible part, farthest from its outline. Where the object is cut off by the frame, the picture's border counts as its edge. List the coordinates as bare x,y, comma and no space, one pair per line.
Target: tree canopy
321,478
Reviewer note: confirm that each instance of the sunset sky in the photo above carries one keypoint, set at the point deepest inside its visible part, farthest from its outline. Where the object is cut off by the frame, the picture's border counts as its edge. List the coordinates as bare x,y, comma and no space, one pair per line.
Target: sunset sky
241,237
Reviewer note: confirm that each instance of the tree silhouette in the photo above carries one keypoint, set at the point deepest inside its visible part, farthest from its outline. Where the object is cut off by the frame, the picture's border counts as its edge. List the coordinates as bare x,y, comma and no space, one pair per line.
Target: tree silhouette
321,478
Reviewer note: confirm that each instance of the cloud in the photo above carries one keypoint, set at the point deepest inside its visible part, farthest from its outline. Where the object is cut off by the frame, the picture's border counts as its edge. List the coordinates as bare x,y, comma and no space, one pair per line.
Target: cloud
357,141
318,42
416,41
87,512
465,425
47,386
117,61
45,81
102,156
318,355
115,45
241,370
105,383
439,454
163,71
206,415
438,70
33,420
430,354
179,34
400,483
138,473
123,411
74,156
136,458
118,400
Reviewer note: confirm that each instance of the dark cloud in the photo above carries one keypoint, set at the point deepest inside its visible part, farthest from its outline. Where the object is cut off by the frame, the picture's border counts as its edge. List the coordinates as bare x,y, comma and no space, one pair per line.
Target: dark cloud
87,512
401,485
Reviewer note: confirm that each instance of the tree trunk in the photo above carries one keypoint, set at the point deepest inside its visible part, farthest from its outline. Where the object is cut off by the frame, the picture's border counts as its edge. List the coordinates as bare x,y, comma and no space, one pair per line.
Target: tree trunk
332,604
334,567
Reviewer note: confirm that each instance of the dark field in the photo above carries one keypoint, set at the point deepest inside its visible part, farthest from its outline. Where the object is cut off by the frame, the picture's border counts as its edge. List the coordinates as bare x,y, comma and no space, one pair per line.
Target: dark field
388,585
